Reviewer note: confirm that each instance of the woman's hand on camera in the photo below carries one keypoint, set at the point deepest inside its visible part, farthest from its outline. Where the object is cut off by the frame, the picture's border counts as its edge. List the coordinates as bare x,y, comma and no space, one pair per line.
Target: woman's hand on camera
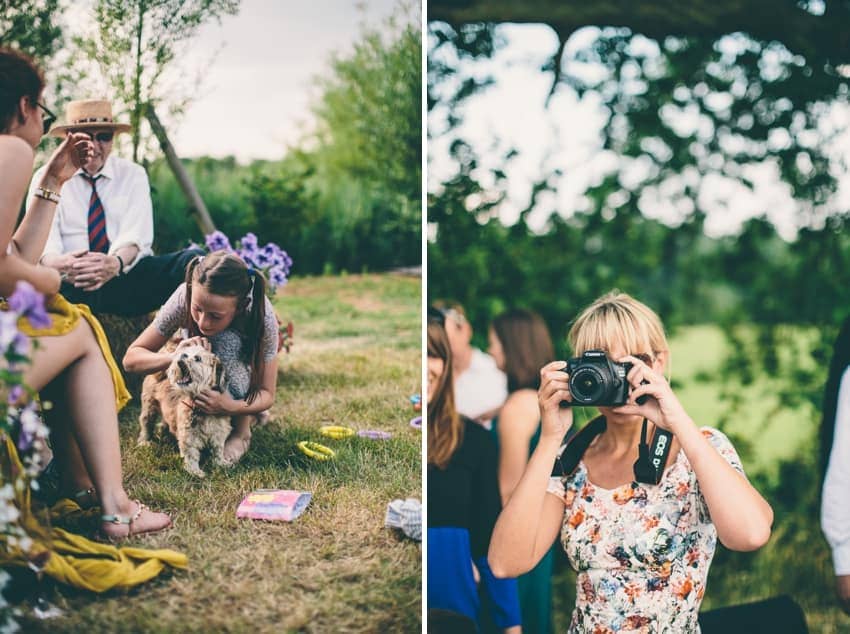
661,406
554,389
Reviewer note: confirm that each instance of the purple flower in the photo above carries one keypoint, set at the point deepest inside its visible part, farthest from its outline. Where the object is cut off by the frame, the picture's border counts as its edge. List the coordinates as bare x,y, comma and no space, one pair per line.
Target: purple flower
249,241
262,259
25,440
29,303
217,241
21,344
277,276
31,426
15,394
249,256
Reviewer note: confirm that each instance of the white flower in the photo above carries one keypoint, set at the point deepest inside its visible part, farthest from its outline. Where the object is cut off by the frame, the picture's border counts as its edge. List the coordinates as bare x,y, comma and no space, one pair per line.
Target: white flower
8,329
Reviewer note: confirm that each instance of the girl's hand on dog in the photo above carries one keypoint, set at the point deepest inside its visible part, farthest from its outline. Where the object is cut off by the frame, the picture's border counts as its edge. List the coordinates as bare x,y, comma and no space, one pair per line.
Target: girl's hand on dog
212,402
193,341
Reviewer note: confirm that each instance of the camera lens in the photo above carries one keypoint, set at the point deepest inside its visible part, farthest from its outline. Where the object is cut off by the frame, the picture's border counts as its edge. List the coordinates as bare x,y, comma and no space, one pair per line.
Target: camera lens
587,385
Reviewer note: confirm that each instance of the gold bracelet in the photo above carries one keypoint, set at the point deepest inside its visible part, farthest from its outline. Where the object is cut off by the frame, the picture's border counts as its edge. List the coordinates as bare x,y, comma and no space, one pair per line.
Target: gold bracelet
46,194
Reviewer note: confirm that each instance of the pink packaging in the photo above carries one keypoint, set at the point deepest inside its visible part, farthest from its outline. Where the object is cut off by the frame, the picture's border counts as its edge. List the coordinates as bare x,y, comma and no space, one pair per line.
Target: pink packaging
273,504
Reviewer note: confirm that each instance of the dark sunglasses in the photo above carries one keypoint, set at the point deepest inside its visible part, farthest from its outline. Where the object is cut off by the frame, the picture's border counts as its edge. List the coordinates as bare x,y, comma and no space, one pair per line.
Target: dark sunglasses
47,118
436,316
103,137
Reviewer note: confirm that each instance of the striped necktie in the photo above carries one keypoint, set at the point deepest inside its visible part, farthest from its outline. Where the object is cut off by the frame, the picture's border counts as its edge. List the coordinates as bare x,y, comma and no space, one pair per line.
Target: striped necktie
97,219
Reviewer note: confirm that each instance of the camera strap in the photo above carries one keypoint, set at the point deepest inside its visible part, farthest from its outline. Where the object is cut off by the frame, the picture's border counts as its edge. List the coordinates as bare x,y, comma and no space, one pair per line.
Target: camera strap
648,468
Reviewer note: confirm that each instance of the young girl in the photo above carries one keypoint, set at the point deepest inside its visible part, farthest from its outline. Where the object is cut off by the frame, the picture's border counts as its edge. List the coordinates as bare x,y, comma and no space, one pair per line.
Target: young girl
223,306
642,551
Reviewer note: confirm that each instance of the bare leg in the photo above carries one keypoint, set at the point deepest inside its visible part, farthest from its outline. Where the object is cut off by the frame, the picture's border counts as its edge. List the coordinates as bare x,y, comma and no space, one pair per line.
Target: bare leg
239,441
94,421
72,469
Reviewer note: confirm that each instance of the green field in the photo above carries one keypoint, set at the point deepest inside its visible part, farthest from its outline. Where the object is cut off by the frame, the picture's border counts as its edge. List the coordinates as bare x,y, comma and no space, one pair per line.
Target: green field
355,362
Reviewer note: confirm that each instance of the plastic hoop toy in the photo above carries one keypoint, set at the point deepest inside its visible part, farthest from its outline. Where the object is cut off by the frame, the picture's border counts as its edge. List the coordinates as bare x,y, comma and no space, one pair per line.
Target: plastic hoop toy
336,431
416,423
374,434
316,451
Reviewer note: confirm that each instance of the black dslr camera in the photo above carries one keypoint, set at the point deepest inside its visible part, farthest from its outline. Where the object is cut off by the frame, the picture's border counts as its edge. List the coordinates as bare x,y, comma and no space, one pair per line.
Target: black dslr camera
597,380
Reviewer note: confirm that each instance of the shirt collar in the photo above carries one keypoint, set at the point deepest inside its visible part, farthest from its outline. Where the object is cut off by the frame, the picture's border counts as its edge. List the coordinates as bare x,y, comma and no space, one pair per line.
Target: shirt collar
108,169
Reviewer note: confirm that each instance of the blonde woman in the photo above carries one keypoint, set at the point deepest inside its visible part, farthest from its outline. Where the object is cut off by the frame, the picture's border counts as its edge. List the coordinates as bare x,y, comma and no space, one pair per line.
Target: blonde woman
642,550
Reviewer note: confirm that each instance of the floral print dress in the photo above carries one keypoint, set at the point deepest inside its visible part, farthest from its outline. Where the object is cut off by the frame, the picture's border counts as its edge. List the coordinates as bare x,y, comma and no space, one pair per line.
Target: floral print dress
642,552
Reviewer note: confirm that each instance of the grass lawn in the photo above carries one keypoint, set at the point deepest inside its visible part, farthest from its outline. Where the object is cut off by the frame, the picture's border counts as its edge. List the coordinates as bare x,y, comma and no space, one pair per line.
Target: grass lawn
355,362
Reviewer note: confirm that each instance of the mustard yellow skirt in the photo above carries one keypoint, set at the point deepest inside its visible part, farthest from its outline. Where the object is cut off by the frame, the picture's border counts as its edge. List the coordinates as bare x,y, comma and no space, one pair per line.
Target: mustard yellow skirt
65,317
62,555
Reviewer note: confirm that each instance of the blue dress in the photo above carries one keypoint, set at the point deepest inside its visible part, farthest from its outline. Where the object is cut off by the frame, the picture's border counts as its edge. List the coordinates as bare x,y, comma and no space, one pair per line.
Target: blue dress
535,586
463,504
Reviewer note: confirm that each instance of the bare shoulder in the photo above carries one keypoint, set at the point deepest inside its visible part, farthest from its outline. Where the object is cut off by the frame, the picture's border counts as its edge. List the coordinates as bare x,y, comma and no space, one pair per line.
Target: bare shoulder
15,152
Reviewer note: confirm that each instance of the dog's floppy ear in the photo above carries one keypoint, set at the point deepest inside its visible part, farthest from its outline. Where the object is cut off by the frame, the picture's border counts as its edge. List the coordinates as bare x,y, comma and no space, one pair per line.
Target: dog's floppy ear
219,375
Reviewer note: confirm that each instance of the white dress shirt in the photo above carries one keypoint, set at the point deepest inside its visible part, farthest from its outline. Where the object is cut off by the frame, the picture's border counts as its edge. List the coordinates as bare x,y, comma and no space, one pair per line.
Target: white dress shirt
125,194
481,388
835,505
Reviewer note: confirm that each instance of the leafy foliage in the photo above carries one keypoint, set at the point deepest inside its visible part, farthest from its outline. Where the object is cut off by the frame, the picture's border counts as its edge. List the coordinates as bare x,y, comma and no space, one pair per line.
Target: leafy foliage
30,26
135,44
760,92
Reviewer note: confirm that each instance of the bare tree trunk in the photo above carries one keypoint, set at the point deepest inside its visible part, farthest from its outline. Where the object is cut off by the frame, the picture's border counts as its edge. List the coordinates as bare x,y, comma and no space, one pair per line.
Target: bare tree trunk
199,210
136,116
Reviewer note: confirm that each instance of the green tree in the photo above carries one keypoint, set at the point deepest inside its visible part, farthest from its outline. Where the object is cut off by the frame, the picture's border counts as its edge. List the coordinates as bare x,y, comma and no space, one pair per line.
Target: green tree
349,197
31,26
137,41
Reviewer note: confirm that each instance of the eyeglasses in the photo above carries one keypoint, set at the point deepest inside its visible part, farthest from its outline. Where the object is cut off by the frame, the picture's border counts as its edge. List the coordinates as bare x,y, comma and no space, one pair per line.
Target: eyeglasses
47,118
436,316
103,137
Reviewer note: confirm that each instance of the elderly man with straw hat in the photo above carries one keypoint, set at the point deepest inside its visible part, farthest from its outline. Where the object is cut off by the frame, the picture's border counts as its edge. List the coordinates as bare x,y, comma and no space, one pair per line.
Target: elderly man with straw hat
102,232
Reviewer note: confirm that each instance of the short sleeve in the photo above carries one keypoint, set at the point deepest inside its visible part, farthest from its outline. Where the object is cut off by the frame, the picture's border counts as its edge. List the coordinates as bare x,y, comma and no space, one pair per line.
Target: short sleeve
723,446
556,487
270,333
172,315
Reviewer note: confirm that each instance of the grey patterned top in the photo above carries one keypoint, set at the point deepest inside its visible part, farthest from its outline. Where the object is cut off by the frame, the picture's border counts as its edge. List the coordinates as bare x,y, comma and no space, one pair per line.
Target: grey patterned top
227,344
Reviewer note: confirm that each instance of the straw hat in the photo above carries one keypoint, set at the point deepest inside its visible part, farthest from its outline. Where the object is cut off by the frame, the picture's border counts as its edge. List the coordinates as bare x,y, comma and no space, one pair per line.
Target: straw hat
88,113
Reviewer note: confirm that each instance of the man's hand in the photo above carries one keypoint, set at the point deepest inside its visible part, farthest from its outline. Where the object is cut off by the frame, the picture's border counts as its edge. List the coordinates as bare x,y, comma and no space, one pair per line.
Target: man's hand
842,588
64,264
90,271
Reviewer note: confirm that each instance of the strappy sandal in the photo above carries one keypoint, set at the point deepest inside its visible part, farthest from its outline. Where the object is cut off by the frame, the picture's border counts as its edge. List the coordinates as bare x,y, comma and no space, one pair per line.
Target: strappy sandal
86,498
128,521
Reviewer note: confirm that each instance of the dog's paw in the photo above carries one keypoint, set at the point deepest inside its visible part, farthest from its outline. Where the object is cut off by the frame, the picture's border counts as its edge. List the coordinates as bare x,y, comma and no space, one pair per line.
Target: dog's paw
143,442
195,470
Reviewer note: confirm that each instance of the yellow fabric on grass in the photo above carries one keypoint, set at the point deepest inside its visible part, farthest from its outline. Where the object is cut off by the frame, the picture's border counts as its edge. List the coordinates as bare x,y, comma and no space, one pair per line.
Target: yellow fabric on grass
65,316
71,558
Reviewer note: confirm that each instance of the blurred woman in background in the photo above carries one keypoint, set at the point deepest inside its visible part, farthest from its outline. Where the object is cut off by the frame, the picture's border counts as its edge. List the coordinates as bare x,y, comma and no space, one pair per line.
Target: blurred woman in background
463,503
521,345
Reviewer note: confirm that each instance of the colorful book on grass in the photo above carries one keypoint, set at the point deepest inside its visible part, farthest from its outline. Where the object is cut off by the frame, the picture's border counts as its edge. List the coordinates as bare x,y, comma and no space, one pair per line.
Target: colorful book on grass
273,504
